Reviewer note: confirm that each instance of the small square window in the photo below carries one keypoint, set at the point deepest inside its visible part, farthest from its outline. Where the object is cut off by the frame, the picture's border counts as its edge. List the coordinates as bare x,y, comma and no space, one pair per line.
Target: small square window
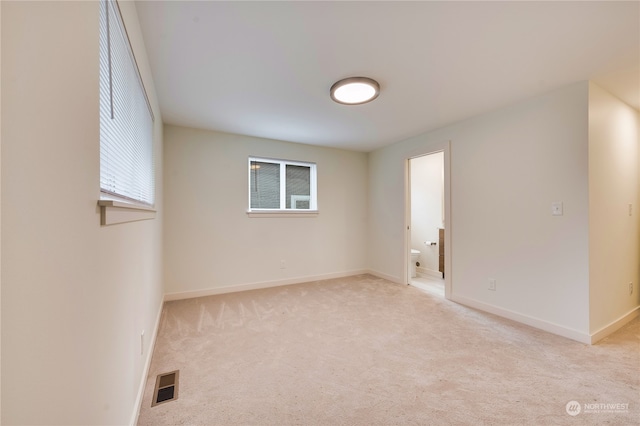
281,185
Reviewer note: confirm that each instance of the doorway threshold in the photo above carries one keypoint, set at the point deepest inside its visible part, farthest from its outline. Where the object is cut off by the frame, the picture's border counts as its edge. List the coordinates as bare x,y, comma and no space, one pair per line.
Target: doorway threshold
431,285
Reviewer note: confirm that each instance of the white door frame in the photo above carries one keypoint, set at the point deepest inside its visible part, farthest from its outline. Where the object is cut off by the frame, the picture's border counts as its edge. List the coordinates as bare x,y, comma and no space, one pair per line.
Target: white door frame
448,227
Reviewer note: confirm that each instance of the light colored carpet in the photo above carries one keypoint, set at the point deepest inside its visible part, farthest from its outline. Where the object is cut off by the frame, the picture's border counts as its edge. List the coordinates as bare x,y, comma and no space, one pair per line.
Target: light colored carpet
365,351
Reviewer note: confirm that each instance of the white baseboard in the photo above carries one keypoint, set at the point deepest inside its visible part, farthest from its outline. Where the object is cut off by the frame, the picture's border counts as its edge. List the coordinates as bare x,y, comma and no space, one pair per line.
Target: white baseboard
255,286
145,370
428,272
615,325
525,319
385,276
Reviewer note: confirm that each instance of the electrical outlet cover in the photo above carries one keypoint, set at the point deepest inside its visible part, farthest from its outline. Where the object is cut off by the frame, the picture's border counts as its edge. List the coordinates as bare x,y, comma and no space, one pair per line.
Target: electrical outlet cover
492,285
556,208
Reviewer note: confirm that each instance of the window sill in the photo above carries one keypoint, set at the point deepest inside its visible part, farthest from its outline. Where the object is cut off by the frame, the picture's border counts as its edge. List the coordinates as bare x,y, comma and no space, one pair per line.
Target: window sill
282,213
113,212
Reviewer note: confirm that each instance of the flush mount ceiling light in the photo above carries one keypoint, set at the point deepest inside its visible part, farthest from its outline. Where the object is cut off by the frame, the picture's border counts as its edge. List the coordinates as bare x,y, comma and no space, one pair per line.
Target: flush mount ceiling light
355,90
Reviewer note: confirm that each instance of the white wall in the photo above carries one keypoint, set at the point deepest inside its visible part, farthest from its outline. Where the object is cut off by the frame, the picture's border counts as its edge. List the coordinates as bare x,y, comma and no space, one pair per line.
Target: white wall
211,243
75,295
506,169
614,249
427,197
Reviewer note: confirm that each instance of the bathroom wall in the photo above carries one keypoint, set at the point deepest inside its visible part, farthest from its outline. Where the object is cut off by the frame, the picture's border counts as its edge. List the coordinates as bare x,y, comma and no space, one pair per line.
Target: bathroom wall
427,196
211,242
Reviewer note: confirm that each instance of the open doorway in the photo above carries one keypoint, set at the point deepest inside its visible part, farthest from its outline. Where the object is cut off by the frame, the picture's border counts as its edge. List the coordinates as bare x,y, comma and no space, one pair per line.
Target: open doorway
427,223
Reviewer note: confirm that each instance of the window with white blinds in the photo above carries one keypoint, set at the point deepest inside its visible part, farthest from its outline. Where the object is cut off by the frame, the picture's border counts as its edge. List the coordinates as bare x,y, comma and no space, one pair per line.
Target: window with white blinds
126,119
281,185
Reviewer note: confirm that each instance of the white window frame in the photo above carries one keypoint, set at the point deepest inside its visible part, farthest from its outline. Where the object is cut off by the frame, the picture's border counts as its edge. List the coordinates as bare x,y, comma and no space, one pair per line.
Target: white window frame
283,211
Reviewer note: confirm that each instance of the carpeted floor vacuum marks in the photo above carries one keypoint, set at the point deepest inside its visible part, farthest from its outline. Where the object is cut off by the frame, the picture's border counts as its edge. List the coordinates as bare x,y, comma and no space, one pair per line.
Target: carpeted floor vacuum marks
365,351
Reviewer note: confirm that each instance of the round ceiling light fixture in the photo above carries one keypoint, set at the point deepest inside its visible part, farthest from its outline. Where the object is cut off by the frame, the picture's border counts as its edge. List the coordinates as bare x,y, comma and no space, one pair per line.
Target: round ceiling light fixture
355,90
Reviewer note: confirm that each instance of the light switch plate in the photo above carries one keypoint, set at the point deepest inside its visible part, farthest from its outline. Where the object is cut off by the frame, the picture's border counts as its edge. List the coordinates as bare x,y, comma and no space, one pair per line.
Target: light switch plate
556,208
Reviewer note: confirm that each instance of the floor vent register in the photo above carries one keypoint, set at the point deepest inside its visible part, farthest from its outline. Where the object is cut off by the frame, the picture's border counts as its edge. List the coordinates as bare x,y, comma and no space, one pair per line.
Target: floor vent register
166,388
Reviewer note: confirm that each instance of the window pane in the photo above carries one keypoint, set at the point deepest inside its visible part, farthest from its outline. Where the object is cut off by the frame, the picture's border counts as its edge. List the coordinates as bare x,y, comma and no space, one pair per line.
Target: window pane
265,185
298,187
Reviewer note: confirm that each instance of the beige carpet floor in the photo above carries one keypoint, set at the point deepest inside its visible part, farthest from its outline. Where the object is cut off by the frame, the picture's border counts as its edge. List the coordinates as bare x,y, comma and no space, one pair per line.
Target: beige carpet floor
365,351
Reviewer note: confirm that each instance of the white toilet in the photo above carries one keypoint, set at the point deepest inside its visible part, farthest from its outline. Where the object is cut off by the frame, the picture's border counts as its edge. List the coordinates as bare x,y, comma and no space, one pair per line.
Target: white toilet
415,255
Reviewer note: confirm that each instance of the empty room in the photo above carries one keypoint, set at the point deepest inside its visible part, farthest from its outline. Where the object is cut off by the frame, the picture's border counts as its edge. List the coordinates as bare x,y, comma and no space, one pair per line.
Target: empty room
319,213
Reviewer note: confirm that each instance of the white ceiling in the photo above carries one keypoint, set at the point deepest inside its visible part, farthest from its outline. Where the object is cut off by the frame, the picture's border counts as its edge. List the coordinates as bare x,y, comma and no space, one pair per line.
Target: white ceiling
265,68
